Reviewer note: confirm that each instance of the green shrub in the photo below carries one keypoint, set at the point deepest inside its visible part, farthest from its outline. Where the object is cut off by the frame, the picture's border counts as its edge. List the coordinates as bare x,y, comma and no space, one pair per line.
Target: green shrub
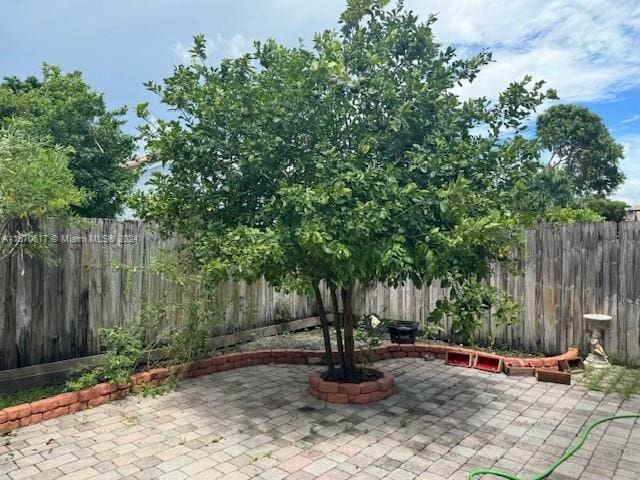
122,352
470,303
572,215
371,335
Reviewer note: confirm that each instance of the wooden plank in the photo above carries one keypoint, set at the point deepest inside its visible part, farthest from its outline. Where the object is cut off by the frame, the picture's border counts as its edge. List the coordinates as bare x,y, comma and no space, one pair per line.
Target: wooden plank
95,286
6,333
549,320
610,285
577,258
70,293
589,285
111,274
530,332
632,290
58,372
41,331
23,309
567,290
83,342
541,267
560,322
634,353
620,274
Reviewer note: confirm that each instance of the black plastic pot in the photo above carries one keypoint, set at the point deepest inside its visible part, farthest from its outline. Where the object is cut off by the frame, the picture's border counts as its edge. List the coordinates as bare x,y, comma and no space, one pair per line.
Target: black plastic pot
403,331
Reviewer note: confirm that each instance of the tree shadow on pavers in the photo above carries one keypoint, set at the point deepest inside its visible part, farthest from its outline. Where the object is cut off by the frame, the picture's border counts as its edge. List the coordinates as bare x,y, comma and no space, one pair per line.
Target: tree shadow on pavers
447,403
440,402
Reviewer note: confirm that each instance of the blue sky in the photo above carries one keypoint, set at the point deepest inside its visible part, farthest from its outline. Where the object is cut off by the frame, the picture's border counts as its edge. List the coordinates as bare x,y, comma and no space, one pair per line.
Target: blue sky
589,51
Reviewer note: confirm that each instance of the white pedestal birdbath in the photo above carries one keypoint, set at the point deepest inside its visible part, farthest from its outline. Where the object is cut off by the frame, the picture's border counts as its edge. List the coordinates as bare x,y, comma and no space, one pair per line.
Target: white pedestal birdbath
597,324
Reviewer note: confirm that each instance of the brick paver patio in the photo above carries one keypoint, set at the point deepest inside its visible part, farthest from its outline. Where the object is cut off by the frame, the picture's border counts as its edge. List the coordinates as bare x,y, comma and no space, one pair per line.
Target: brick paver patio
442,422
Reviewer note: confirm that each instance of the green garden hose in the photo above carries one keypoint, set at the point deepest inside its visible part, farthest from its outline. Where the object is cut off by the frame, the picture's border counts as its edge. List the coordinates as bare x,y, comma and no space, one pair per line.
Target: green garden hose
568,454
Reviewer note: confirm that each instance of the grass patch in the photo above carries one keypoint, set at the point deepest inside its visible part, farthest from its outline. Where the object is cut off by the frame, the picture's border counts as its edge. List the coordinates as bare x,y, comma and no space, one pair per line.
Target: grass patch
624,381
148,390
29,395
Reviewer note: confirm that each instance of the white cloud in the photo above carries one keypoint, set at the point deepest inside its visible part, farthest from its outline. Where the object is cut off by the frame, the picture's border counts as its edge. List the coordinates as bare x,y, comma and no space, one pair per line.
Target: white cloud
588,51
218,45
632,119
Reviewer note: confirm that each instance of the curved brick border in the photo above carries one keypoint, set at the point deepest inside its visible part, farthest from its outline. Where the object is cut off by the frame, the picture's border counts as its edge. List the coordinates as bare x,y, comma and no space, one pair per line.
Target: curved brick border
365,392
71,402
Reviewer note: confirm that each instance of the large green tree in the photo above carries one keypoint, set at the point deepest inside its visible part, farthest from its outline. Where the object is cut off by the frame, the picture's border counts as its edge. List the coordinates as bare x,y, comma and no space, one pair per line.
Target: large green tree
352,160
35,183
65,109
581,145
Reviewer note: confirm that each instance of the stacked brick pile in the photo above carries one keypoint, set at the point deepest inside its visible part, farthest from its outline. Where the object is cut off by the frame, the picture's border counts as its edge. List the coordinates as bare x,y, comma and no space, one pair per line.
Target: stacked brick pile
365,392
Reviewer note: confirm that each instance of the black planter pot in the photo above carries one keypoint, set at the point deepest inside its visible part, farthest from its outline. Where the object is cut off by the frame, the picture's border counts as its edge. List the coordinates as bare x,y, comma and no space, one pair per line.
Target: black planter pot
403,331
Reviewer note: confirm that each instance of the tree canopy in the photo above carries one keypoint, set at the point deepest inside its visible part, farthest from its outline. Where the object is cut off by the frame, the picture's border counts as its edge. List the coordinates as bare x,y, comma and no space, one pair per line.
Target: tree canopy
350,160
581,145
65,109
36,183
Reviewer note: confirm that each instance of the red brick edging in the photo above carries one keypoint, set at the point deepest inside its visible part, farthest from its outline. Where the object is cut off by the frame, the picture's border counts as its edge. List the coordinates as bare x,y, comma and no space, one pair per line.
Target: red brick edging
365,392
71,402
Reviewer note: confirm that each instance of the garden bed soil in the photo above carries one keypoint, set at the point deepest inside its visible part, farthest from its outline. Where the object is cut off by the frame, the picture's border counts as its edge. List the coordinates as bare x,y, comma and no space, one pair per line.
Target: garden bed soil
312,340
358,376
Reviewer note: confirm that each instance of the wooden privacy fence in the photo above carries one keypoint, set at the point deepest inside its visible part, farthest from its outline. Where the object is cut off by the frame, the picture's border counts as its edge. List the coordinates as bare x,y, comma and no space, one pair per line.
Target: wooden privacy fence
569,270
51,312
102,277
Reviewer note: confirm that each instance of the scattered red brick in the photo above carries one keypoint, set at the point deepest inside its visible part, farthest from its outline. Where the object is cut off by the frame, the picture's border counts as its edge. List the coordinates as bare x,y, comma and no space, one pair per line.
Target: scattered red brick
8,426
349,388
338,398
385,383
488,363
36,418
45,405
362,398
17,412
458,359
94,402
380,395
68,398
328,387
85,395
368,387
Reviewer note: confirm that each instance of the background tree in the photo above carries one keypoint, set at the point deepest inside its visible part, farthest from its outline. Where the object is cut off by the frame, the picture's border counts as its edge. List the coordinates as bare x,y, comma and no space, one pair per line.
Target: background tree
66,109
582,146
349,161
549,196
610,210
35,183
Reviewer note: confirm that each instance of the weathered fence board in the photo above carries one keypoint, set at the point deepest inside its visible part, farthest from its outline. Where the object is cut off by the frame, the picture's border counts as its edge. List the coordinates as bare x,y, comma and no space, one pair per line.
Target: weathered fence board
54,312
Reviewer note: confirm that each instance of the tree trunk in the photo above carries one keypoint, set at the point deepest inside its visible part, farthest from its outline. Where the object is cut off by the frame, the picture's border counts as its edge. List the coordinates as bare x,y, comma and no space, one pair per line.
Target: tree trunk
338,324
349,344
328,354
